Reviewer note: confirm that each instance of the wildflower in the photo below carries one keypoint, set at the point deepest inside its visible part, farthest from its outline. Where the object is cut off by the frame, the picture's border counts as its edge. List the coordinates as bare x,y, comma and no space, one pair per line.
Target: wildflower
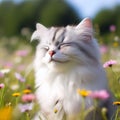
1,75
21,67
26,91
116,103
102,94
6,113
20,77
103,49
109,63
115,44
28,97
2,85
22,53
55,110
14,86
17,94
116,38
112,28
25,107
5,71
83,92
8,65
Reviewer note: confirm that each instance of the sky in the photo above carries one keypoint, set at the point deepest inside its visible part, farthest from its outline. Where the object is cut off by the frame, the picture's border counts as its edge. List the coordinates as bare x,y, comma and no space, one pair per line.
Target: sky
88,8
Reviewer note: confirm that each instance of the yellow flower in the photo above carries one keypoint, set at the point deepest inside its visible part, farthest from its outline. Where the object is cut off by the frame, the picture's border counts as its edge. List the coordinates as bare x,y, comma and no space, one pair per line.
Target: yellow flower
115,44
55,110
116,103
83,92
26,91
6,113
16,94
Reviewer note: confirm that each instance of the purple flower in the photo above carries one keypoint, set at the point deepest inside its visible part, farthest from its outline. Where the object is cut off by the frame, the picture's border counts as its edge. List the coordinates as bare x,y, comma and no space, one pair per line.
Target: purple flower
20,77
102,94
109,63
2,85
22,53
112,28
25,107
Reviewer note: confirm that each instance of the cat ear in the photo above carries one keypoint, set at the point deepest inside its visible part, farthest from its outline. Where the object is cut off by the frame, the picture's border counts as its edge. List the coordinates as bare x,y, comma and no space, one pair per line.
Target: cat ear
85,29
41,27
85,23
40,30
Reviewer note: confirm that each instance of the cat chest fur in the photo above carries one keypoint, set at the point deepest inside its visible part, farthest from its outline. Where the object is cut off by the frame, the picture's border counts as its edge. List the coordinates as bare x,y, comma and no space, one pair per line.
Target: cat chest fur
59,90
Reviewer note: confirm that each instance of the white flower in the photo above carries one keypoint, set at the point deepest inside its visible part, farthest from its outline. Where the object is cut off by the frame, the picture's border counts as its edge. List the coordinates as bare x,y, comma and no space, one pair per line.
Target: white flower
5,71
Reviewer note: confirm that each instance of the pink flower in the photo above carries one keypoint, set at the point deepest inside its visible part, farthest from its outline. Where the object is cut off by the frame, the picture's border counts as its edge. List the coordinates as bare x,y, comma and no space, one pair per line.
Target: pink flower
102,94
21,67
103,49
109,63
28,97
20,77
112,28
2,85
8,65
22,53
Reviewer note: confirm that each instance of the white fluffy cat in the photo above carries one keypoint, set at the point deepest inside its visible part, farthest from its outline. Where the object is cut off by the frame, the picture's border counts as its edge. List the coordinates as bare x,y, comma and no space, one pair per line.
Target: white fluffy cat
67,58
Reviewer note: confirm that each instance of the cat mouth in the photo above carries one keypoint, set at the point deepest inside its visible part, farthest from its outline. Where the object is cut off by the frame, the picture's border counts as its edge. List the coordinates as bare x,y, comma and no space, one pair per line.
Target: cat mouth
59,61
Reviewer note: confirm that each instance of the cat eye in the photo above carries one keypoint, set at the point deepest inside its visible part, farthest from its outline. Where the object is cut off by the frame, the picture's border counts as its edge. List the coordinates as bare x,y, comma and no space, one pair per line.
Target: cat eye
64,45
46,48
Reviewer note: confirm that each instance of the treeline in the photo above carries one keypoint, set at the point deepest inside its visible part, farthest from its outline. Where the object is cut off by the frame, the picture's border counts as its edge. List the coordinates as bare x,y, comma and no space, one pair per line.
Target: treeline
15,17
107,17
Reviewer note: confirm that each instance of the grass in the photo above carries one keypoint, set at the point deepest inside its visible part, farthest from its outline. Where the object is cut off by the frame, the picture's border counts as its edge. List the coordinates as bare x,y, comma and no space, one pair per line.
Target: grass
17,100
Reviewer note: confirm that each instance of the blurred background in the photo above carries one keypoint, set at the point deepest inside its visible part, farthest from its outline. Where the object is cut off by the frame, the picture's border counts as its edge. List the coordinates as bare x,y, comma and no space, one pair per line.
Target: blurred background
18,19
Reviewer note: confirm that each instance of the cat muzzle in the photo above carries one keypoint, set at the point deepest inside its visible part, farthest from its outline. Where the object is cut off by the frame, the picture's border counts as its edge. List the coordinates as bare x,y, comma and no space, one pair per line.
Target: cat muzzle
51,53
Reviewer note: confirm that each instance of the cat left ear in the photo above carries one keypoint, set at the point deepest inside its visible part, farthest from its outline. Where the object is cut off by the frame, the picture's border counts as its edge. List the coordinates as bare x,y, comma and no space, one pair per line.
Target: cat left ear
40,30
85,29
86,23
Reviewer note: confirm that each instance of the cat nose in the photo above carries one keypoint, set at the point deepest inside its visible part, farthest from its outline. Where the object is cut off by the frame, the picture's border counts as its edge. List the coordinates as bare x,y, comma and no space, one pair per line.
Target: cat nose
51,53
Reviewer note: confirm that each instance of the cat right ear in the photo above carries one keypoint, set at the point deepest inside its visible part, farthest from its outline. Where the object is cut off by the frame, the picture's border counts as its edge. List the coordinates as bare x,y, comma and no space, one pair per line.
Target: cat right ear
40,30
85,23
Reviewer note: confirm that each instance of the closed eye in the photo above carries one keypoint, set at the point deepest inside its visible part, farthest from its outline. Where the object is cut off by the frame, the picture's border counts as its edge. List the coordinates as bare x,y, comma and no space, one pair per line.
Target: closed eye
64,45
45,48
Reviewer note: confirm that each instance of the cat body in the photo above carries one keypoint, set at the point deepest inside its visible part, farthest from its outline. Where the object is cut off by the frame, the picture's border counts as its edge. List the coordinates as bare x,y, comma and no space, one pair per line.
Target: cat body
67,59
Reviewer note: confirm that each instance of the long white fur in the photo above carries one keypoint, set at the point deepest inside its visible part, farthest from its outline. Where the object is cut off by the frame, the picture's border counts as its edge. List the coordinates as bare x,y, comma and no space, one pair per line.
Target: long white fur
57,83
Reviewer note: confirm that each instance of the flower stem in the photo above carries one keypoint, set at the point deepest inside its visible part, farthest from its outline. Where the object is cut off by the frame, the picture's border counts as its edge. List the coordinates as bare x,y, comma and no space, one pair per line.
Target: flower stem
115,75
83,109
27,116
1,97
116,115
16,101
95,105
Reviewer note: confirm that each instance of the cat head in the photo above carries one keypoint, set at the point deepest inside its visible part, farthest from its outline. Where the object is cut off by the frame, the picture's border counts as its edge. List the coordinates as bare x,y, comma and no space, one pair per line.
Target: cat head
66,46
